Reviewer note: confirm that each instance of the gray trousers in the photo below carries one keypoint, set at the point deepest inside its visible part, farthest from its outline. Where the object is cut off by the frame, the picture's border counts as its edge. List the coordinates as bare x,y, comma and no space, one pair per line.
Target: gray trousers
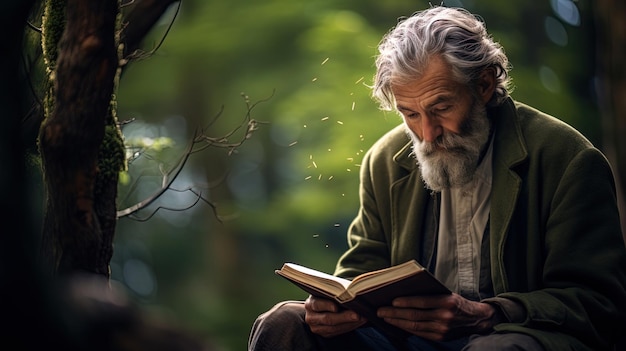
283,328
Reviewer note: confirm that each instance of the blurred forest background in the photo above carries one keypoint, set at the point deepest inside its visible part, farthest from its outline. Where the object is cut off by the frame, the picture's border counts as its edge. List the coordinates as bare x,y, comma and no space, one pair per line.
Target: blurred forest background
288,193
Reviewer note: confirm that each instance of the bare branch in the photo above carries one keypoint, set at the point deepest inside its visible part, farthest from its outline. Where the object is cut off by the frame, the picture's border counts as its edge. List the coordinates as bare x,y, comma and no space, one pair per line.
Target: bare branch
223,141
139,21
170,175
165,186
33,27
198,198
126,4
140,55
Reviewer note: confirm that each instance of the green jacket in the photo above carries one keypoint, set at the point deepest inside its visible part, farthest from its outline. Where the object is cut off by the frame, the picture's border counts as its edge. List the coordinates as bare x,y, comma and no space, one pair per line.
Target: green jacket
558,259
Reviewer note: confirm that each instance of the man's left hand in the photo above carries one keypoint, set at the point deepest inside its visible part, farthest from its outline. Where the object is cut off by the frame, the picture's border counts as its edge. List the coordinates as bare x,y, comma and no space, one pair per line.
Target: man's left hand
441,317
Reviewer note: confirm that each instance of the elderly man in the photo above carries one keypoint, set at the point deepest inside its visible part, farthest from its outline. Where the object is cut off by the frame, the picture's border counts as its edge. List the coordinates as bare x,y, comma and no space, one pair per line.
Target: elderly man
511,209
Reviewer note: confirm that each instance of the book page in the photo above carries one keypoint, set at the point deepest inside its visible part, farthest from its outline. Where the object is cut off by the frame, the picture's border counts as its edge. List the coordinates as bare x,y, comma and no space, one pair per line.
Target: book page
369,280
331,283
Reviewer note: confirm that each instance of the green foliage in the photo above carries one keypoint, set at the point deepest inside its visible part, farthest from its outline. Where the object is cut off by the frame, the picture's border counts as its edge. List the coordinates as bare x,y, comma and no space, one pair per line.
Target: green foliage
52,26
290,191
111,156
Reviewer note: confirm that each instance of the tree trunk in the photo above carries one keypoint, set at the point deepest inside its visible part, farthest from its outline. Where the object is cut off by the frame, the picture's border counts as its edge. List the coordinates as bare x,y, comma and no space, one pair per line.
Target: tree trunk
80,142
71,135
611,40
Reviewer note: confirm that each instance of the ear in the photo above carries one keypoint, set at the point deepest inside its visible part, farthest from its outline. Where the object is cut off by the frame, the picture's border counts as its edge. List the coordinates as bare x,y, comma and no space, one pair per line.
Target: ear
486,84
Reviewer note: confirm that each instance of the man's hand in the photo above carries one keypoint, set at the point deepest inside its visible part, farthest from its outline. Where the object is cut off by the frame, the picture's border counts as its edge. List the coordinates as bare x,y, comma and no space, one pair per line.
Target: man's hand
441,317
325,317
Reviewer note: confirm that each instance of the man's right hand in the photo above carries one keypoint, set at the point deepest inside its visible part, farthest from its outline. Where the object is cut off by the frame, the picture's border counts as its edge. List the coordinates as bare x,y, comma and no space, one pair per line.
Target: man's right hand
326,318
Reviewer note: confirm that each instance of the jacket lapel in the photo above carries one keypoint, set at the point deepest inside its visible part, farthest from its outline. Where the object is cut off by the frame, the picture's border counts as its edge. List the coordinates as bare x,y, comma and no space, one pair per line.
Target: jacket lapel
509,151
409,199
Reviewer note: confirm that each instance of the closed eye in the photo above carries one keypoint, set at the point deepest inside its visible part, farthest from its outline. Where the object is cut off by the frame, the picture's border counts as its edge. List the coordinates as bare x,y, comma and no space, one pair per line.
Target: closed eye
442,108
408,113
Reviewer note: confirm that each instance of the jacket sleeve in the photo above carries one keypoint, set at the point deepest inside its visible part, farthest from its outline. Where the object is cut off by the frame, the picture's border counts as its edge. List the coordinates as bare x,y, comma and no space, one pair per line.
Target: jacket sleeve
367,246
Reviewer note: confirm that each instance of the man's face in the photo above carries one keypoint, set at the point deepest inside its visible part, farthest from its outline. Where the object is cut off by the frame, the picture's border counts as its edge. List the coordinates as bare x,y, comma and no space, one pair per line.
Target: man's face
447,124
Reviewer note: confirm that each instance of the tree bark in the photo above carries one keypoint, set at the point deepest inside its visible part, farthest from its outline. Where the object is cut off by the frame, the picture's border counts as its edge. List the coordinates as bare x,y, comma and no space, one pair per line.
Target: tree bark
70,137
80,143
611,39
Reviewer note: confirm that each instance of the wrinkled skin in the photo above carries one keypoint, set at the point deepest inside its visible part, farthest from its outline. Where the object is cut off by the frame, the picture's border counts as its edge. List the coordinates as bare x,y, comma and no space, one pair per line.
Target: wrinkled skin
436,318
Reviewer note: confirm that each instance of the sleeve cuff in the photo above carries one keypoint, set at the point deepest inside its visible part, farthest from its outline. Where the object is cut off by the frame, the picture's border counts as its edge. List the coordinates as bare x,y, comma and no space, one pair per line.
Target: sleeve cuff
511,311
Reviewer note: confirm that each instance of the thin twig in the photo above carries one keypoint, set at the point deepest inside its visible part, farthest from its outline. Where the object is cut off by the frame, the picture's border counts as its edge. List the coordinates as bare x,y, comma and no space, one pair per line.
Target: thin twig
170,175
139,54
33,27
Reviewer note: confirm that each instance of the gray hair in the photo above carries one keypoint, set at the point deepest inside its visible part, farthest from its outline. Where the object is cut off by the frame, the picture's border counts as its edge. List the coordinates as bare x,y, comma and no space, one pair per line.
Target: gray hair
454,33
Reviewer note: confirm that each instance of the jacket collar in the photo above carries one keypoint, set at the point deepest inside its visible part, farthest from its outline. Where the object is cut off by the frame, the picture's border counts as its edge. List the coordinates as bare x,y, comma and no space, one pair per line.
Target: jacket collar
509,142
405,158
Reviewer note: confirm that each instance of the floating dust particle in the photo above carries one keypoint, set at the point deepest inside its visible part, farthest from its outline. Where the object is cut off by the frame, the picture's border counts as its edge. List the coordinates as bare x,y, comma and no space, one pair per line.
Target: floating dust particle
314,79
325,118
323,62
329,150
314,164
353,102
292,144
327,246
359,81
343,195
307,178
340,122
304,126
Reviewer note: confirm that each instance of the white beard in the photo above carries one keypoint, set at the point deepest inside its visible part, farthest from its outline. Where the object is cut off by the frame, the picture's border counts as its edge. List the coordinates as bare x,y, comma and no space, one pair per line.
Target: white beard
452,159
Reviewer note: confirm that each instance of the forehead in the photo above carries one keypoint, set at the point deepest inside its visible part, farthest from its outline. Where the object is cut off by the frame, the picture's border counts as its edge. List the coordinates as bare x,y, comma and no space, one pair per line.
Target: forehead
436,82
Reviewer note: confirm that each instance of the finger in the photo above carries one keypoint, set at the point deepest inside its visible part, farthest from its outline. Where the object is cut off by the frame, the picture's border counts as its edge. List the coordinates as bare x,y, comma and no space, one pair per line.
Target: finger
317,304
336,329
331,318
410,314
425,302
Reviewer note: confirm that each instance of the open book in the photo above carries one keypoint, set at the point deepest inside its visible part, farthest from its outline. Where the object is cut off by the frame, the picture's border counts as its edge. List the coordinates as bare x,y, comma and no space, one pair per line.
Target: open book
368,291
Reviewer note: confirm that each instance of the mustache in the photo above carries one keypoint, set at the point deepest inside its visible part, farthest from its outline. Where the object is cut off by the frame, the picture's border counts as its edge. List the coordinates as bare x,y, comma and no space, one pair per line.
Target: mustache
451,159
447,142
469,140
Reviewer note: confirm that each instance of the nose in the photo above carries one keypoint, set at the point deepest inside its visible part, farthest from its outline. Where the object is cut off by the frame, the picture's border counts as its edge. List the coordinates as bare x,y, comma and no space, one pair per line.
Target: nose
431,129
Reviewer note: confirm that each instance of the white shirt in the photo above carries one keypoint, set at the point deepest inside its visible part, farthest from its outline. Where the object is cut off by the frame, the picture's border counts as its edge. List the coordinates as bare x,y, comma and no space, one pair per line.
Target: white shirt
464,214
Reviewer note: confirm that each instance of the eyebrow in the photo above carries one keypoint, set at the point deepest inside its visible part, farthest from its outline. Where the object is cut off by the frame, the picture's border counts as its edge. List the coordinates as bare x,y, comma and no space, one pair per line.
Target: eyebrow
441,99
438,100
402,108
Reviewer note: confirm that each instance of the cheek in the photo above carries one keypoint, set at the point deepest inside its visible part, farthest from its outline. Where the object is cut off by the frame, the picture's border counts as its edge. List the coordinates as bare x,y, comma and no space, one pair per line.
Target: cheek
414,126
454,127
453,123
